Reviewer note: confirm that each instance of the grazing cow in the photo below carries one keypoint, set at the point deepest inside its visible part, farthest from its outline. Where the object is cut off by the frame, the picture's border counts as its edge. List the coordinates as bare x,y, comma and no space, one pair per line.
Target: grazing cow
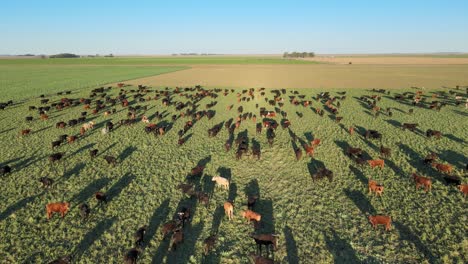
139,236
452,180
338,119
373,134
62,260
261,260
322,173
229,210
60,124
380,220
61,208
298,153
251,200
131,256
145,119
186,188
385,152
265,239
309,150
259,128
56,143
430,158
5,170
220,181
209,244
46,182
375,187
71,139
44,117
29,118
445,168
177,238
169,227
424,181
351,130
111,160
101,197
409,126
315,142
104,130
464,189
376,163
88,126
350,151
197,171
251,215
433,133
84,211
25,132
56,157
93,153
184,215
256,152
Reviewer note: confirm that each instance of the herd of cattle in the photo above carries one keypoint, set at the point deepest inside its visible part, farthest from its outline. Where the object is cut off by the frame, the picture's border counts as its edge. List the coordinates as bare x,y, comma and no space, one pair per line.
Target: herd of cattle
100,102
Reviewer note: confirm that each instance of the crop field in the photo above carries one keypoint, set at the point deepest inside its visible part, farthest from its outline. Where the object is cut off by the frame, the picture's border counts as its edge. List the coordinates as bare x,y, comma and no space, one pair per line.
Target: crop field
316,221
24,80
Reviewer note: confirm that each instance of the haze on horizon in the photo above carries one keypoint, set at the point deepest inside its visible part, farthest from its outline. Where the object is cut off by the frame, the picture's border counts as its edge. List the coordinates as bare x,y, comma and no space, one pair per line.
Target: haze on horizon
240,27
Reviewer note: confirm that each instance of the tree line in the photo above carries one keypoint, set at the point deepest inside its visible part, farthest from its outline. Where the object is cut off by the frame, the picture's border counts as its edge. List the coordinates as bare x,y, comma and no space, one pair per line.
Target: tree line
296,54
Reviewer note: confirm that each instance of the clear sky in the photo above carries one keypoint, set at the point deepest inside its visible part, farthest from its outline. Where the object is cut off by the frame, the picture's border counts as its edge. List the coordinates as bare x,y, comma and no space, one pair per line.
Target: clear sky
234,27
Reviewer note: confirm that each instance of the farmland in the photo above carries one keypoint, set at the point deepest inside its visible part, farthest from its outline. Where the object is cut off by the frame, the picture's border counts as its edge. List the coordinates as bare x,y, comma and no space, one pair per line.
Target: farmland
317,221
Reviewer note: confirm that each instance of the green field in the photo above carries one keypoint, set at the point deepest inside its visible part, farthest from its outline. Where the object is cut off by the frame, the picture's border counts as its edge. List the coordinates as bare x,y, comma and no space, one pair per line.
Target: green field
317,222
25,80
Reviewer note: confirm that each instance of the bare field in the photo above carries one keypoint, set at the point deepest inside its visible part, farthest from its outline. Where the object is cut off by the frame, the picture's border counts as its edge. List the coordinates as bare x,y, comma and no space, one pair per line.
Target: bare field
390,60
313,76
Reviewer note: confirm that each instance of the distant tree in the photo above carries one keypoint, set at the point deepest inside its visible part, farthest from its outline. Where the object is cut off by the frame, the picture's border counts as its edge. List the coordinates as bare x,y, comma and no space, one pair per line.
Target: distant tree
296,54
64,55
285,55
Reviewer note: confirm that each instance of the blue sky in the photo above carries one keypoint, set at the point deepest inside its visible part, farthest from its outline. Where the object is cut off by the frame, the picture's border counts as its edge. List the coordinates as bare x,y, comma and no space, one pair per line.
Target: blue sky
235,27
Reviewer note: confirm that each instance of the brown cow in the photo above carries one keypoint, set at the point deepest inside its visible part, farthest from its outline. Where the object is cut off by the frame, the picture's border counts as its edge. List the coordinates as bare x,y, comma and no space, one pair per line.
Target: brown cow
61,208
309,150
25,132
424,181
251,215
375,187
464,189
229,210
446,168
381,220
351,130
71,139
315,142
376,163
44,117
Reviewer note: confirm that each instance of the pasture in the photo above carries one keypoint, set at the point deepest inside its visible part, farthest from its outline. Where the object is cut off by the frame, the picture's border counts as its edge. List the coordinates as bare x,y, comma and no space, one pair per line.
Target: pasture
316,221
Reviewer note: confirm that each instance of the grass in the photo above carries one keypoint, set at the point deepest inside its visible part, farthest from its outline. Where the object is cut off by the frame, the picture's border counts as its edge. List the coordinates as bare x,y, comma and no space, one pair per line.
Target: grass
21,81
317,222
158,61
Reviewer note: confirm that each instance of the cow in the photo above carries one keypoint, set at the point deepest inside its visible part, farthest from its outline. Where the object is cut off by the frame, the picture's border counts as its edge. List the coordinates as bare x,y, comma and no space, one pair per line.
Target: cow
56,157
322,173
169,227
71,139
209,244
350,151
375,187
60,124
351,130
376,163
385,152
5,170
110,160
183,215
25,132
380,220
197,171
220,181
93,153
314,143
101,198
445,168
309,150
430,158
140,235
251,200
298,153
29,118
464,189
265,239
84,211
229,210
62,260
424,181
409,126
88,126
251,215
177,238
61,208
433,133
131,256
452,180
46,182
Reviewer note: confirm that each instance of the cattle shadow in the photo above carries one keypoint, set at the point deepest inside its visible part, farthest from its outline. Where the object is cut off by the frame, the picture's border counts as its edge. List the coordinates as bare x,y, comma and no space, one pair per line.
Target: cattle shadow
394,123
252,188
398,171
455,138
359,175
406,234
89,191
187,137
83,148
208,185
225,173
309,137
204,162
106,149
187,248
361,201
13,160
232,192
40,130
127,152
73,171
167,126
341,249
8,130
291,247
454,158
218,216
17,206
343,145
460,112
155,221
314,165
90,237
117,187
27,162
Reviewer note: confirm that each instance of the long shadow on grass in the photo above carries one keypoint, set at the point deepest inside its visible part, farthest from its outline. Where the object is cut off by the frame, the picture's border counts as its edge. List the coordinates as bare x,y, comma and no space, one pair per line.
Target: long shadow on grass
454,158
155,221
89,191
40,130
252,188
106,149
341,249
7,130
291,247
359,175
83,148
73,171
17,206
454,138
265,208
407,234
361,201
117,187
90,237
127,152
218,216
187,248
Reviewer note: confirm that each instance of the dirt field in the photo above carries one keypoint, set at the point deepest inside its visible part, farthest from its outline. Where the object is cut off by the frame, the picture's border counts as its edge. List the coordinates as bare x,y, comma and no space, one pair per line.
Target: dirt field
314,76
390,60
